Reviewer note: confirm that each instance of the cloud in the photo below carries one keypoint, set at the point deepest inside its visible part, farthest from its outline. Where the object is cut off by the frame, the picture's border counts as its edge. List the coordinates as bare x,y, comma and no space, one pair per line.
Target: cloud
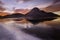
22,0
55,1
53,8
26,0
2,8
1,3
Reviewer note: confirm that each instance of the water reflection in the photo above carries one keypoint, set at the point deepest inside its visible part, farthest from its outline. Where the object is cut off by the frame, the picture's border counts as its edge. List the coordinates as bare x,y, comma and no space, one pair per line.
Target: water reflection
25,30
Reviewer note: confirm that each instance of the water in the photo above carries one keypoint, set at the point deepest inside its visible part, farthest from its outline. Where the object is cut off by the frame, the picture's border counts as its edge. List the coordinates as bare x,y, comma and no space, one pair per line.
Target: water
12,30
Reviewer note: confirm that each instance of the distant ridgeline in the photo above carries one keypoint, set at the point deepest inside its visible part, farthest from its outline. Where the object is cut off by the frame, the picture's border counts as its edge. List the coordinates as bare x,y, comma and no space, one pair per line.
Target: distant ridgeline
35,16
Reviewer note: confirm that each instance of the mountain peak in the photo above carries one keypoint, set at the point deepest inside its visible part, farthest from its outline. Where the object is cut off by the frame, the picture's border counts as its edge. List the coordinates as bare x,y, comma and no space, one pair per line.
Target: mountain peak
35,8
37,15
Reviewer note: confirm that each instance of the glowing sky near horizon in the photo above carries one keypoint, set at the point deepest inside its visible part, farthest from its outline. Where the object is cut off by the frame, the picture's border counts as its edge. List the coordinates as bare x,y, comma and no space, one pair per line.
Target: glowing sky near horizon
27,4
22,4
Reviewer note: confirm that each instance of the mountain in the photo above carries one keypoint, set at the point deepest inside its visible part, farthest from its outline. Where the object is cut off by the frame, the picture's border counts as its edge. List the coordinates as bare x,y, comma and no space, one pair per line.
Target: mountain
1,17
15,15
3,13
37,15
34,16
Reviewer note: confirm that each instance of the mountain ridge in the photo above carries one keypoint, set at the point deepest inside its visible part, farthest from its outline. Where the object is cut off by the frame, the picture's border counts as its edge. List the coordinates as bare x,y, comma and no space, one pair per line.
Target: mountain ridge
35,16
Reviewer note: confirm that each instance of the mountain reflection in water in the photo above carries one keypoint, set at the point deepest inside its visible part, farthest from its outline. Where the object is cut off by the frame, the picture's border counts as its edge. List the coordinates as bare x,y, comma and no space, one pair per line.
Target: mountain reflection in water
17,30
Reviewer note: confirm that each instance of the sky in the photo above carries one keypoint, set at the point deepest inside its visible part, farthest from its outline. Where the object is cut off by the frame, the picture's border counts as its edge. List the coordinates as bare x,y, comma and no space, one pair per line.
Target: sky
27,4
